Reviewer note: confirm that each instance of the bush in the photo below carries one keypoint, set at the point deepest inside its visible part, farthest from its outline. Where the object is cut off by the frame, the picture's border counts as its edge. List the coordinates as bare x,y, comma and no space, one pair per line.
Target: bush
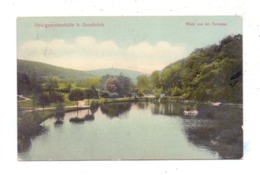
140,93
102,100
157,95
176,91
165,98
188,108
113,95
104,94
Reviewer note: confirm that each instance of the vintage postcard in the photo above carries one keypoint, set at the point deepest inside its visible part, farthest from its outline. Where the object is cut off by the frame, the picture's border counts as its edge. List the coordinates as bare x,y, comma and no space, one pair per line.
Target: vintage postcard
130,88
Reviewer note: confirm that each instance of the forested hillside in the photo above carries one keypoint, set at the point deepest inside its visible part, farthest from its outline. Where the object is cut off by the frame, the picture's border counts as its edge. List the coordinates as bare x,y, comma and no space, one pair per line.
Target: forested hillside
116,71
211,73
38,69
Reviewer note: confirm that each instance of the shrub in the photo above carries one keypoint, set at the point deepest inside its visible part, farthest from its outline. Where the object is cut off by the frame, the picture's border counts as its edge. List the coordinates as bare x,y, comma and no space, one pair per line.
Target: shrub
176,91
113,95
104,94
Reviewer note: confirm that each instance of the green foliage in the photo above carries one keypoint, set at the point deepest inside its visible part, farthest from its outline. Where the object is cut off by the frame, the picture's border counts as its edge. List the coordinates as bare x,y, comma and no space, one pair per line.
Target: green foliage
117,84
45,70
90,82
188,107
91,93
113,95
157,95
170,76
102,100
43,100
76,95
155,79
210,73
140,93
51,84
28,85
55,97
104,94
112,84
143,83
176,91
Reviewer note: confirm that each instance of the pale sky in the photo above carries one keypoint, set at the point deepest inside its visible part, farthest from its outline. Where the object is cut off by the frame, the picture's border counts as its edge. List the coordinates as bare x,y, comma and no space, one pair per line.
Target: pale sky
144,44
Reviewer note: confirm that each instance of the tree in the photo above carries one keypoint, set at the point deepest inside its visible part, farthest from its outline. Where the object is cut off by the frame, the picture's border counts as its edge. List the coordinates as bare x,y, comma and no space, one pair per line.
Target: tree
143,83
104,94
56,97
112,84
68,88
124,85
23,83
170,76
117,84
113,95
76,95
176,91
155,79
90,93
43,100
140,93
36,91
51,85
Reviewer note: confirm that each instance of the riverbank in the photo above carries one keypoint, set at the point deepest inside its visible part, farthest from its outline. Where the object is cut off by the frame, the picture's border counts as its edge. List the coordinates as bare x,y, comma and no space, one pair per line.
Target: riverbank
29,123
86,104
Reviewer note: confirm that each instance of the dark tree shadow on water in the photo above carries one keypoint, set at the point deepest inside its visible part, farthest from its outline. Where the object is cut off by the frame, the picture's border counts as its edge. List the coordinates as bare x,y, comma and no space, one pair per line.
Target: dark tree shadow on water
116,109
168,109
221,132
28,128
59,115
25,135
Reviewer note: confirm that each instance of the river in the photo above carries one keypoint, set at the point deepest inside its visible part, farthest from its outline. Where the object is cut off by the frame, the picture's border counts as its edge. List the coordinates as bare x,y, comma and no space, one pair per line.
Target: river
141,131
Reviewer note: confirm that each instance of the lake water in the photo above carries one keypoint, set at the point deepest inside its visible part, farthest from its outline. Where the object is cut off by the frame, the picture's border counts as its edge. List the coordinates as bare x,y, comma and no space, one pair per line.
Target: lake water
133,131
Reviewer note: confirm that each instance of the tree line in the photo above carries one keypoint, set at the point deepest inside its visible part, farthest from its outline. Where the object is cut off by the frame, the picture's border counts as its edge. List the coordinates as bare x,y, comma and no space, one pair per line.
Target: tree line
210,73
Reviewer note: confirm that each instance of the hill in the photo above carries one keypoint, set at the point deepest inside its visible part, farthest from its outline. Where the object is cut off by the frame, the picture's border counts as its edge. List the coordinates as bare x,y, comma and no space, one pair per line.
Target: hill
47,70
210,73
115,71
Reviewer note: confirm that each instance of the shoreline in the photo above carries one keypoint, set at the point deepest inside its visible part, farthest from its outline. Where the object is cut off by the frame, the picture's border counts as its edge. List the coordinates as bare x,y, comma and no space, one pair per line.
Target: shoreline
126,100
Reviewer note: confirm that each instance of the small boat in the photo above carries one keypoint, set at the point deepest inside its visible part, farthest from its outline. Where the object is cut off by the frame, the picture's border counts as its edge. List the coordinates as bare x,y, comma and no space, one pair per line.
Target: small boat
191,112
216,103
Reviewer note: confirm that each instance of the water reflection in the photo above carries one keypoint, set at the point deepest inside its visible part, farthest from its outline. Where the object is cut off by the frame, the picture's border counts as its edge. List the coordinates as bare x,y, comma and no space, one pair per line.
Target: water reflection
141,105
219,129
89,116
168,109
115,110
25,141
214,129
58,122
94,109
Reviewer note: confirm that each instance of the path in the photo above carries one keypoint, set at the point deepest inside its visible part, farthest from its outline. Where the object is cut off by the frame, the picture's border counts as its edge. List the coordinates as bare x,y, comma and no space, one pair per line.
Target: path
81,105
24,98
